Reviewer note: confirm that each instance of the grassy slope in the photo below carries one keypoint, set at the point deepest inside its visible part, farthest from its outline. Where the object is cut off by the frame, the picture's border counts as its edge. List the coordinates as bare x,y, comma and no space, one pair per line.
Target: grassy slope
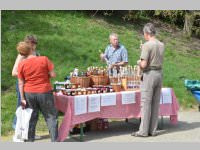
73,39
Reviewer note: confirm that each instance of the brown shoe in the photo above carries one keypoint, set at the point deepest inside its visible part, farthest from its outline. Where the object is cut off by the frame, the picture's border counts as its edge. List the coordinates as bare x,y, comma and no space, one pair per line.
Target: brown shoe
153,134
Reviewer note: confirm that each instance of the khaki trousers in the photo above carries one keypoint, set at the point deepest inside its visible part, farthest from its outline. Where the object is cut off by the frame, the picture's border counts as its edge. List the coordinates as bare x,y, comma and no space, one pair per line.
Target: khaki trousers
150,101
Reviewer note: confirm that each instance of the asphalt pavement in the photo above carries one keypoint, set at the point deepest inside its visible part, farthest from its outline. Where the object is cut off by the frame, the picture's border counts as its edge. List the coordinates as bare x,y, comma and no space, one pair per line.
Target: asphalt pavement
187,130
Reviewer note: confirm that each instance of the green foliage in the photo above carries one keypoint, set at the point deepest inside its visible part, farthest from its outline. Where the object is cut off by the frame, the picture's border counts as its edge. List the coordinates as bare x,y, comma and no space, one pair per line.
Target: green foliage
73,39
178,18
172,16
196,26
8,106
133,15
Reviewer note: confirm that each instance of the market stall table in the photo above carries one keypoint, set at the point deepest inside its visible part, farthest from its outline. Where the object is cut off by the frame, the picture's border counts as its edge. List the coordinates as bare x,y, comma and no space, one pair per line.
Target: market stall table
79,109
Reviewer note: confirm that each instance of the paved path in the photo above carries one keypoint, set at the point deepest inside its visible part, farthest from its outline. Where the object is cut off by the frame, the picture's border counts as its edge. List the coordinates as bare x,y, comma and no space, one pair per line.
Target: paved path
187,130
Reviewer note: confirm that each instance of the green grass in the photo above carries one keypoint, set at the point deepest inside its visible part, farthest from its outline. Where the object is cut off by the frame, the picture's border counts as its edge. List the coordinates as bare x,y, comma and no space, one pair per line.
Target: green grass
73,38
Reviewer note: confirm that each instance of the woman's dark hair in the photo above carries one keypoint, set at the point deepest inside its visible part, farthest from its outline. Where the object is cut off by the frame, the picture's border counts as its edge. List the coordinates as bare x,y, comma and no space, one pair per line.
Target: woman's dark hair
31,39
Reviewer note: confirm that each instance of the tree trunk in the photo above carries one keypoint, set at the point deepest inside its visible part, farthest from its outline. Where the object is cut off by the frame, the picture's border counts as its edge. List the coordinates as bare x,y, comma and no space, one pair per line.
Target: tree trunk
189,20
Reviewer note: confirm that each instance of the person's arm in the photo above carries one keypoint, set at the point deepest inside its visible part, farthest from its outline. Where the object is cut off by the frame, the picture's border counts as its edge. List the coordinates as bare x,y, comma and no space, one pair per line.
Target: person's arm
120,64
144,57
52,74
124,56
17,61
21,82
50,66
21,90
142,63
104,55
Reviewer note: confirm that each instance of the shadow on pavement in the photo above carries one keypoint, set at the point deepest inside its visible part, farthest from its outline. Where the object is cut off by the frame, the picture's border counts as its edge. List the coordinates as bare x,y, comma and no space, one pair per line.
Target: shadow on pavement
122,128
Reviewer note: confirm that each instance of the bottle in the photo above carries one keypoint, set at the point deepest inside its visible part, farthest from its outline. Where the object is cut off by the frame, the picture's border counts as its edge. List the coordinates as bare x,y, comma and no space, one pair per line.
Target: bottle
115,72
111,90
75,72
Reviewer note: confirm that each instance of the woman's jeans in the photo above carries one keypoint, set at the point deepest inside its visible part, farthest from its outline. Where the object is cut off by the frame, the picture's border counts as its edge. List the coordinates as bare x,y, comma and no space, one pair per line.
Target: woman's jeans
43,102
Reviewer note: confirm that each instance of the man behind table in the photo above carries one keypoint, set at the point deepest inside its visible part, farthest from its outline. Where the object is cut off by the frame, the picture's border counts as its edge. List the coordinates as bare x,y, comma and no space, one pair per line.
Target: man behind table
115,54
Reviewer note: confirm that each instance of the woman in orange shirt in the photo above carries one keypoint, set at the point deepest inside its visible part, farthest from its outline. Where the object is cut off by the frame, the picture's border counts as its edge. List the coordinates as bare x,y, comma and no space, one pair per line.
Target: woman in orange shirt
32,40
34,75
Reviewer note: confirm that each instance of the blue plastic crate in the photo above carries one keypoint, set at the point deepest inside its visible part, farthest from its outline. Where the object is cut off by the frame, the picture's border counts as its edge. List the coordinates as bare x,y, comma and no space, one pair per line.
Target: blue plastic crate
196,95
193,85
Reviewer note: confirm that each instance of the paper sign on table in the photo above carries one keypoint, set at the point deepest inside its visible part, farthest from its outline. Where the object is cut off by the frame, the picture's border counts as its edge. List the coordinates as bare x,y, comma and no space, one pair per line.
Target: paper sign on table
128,97
108,99
80,104
94,103
166,95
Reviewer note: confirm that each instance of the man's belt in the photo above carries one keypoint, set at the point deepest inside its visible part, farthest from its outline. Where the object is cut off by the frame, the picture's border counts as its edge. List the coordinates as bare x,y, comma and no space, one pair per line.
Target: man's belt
152,68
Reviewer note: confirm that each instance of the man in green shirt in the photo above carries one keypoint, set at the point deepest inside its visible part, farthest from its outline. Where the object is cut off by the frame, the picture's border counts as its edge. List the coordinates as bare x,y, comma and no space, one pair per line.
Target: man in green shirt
150,62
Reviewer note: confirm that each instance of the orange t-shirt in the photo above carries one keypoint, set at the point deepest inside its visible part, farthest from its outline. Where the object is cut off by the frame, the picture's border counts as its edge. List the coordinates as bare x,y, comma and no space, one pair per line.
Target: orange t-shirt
35,72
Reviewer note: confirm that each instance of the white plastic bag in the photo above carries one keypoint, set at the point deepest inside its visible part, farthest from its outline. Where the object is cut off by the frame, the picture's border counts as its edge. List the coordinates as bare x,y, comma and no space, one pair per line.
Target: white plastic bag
22,125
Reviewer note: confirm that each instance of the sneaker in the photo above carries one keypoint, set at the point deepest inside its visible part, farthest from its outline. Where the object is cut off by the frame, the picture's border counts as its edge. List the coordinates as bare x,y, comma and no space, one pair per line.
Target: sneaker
15,139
